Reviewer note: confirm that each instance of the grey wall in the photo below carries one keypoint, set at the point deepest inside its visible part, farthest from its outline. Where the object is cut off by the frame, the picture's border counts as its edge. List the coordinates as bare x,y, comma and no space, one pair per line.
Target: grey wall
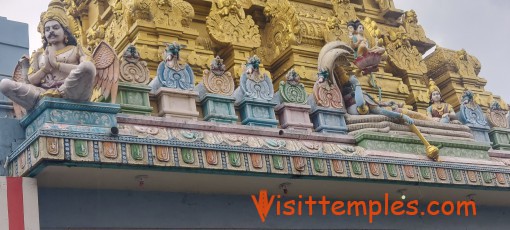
71,208
13,44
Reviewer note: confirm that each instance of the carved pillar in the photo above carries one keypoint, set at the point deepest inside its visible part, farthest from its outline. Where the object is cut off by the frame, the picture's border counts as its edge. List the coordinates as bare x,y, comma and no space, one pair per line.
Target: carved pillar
405,60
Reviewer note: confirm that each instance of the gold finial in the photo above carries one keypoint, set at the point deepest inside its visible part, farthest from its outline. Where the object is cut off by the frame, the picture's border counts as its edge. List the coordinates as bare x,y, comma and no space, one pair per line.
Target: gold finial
56,12
433,87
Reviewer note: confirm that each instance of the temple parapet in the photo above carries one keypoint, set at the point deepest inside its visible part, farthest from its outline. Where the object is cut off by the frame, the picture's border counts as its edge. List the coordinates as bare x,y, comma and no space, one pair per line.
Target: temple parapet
291,98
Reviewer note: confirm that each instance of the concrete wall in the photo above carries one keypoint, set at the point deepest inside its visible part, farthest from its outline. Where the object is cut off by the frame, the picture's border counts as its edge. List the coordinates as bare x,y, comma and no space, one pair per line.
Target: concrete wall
71,208
13,45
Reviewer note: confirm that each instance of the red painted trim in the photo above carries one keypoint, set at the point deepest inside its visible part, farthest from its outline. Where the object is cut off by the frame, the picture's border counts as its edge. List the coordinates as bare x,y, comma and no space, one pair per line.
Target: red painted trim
15,203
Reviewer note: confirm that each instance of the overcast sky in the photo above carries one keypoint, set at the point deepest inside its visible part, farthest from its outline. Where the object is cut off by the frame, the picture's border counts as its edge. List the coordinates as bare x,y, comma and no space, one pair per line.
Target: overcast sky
478,26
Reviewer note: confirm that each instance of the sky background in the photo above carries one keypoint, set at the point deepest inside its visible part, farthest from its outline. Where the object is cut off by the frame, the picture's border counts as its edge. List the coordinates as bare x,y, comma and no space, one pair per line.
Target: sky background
478,26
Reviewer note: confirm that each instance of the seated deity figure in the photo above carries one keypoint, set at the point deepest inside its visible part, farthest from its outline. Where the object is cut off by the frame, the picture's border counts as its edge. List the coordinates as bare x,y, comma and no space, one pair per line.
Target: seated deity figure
358,41
59,69
439,110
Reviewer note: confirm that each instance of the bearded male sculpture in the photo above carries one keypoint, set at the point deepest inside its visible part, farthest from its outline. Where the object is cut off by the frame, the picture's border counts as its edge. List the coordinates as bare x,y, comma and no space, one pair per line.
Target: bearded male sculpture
59,69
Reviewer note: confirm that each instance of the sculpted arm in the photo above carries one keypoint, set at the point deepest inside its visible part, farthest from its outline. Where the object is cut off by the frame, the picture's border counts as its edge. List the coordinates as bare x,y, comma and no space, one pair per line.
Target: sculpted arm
64,68
451,113
36,74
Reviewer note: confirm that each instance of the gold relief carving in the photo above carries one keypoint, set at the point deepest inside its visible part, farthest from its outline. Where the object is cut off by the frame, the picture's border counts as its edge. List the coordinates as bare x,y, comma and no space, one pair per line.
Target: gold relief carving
202,61
95,35
415,31
456,61
256,160
110,150
174,13
52,145
228,24
282,30
384,4
336,30
344,10
218,80
375,169
403,56
307,73
403,88
163,153
373,33
299,163
441,173
211,157
409,171
338,166
467,65
471,176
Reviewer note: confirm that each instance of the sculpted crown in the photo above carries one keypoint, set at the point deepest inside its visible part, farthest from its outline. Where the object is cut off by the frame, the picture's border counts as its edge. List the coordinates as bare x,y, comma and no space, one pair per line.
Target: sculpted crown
56,11
433,87
254,62
174,48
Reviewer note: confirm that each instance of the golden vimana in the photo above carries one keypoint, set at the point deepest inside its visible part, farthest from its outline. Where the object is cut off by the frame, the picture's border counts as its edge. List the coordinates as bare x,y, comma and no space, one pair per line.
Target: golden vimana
285,34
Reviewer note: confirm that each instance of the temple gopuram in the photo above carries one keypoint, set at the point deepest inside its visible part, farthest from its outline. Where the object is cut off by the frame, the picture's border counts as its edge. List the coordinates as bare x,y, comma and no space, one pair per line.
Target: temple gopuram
223,114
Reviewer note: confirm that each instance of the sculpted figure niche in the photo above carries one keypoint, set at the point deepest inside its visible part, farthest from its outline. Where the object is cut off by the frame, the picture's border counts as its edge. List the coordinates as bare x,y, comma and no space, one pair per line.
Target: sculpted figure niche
439,110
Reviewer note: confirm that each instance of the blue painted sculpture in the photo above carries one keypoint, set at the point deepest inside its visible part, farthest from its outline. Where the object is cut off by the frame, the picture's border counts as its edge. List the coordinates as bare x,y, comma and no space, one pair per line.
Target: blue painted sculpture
255,85
472,115
254,96
171,74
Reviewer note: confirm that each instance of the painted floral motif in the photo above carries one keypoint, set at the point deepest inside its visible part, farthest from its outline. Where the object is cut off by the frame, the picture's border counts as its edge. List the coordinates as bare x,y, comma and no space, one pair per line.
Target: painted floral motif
392,170
318,165
456,175
52,145
375,169
137,152
81,148
487,177
299,163
110,150
211,157
338,166
234,159
471,176
409,171
356,167
278,162
500,178
163,153
441,173
425,173
256,160
187,156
